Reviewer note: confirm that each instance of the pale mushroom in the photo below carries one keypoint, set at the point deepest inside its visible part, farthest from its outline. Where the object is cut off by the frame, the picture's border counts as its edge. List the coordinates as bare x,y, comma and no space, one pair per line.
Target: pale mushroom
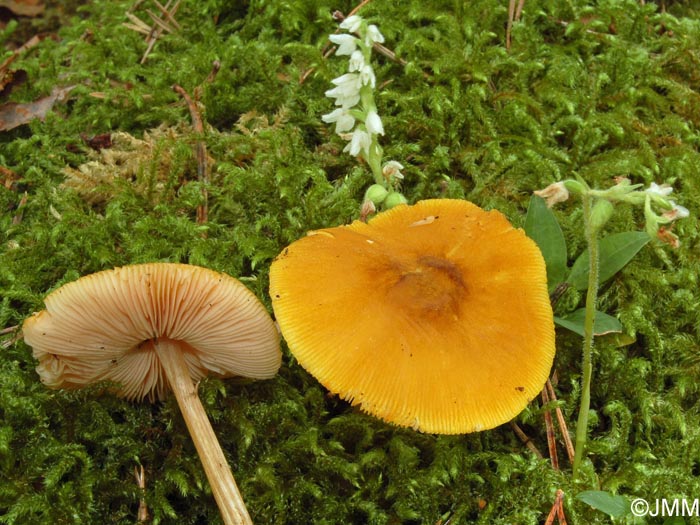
153,327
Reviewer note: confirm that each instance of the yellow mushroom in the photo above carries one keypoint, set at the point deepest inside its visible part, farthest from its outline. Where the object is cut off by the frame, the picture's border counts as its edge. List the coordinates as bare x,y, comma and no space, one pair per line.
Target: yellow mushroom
434,316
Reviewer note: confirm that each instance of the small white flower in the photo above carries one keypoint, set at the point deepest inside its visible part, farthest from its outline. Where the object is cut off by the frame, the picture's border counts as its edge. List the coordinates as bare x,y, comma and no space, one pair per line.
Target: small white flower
392,169
373,123
357,61
347,44
347,90
349,81
344,101
676,212
662,190
367,76
344,121
359,143
352,23
373,35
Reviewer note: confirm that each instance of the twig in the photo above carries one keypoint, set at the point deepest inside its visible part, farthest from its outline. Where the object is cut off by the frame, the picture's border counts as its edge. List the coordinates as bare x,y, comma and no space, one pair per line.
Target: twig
562,423
12,340
514,13
201,149
20,209
525,439
509,24
557,510
167,14
138,25
21,49
215,67
159,25
140,476
9,329
551,439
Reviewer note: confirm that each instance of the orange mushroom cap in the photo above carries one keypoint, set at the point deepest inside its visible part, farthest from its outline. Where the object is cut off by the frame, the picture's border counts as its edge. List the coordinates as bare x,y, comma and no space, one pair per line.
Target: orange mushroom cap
102,328
434,316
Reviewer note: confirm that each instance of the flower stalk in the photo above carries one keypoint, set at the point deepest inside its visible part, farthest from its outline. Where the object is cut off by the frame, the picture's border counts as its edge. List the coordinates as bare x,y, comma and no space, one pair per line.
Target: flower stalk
598,208
591,303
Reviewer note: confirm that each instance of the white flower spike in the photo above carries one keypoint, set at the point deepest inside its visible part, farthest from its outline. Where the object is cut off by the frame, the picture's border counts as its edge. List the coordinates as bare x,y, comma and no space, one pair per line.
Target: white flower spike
357,120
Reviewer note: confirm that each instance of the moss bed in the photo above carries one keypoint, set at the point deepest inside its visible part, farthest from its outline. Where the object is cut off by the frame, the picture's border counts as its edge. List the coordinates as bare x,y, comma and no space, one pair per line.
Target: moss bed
602,89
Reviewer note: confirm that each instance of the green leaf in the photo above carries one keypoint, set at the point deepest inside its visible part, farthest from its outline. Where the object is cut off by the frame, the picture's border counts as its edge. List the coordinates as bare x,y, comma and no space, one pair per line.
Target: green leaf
674,520
542,227
611,504
615,252
602,324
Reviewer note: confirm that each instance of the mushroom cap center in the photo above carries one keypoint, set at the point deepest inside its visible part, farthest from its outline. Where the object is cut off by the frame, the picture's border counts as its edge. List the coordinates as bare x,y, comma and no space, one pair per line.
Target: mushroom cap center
432,285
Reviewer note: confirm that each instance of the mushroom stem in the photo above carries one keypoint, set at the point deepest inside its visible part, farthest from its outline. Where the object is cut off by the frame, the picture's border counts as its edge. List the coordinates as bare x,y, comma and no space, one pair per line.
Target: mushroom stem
223,486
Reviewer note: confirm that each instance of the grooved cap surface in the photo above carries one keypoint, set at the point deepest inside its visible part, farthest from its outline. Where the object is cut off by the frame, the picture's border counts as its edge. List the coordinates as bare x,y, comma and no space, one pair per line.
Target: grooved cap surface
434,316
102,327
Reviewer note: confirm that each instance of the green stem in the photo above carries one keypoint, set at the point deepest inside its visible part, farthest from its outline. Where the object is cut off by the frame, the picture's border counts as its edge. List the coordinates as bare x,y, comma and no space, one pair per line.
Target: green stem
591,299
368,104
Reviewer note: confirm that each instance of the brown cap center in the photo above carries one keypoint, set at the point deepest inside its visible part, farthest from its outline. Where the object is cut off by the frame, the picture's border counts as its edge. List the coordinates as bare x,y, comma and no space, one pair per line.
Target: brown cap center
433,285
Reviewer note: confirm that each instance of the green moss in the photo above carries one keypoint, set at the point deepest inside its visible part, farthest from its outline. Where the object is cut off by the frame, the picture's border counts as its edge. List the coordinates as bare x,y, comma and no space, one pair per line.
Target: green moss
600,89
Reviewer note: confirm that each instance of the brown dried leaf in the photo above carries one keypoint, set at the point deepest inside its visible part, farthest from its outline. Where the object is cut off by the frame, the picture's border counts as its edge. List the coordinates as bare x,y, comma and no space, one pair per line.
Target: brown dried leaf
24,7
13,114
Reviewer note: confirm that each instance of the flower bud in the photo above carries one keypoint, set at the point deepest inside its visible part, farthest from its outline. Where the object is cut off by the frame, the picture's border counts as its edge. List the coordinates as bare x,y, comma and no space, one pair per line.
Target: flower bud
601,212
394,199
554,193
574,187
376,193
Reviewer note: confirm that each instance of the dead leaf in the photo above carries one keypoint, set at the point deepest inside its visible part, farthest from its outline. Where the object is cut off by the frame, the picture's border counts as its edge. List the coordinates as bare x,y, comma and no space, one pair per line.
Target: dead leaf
10,177
24,7
9,78
98,142
14,114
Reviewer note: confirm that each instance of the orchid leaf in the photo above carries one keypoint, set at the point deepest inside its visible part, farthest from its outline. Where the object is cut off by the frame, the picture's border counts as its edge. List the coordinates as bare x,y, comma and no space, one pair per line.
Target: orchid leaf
542,227
611,504
615,252
603,323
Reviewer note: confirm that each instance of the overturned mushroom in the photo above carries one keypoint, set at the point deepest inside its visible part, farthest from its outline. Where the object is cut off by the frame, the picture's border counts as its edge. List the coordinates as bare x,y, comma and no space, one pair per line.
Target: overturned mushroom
434,316
154,327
